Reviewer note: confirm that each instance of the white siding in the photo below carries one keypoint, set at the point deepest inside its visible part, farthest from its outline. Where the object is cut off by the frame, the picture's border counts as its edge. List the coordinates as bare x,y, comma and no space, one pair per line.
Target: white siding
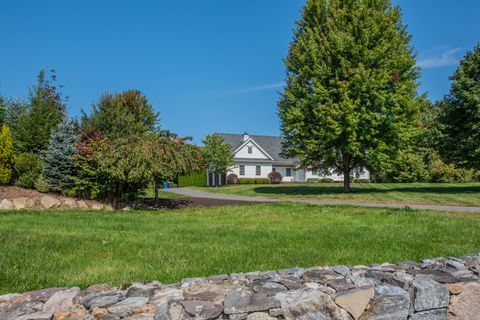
364,174
250,169
283,172
256,153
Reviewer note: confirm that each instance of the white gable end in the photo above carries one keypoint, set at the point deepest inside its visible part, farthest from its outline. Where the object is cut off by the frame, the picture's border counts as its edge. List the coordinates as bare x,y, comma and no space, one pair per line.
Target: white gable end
250,151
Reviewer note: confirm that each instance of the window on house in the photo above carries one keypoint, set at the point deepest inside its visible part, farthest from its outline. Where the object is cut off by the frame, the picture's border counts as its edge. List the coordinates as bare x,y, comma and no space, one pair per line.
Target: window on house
274,169
288,172
250,150
258,170
242,170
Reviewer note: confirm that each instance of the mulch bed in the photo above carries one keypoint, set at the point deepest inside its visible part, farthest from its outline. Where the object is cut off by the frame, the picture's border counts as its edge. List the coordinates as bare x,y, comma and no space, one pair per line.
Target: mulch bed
189,203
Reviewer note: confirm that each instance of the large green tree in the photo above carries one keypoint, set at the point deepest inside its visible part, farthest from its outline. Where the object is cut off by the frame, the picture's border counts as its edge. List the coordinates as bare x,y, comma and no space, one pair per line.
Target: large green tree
216,154
122,114
460,114
45,111
351,87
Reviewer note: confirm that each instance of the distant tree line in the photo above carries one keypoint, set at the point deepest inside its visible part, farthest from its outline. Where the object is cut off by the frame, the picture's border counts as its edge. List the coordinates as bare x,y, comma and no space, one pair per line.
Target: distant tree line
111,154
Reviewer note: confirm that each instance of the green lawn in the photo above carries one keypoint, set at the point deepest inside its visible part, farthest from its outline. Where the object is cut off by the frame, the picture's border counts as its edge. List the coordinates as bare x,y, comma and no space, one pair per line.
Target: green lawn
70,248
465,194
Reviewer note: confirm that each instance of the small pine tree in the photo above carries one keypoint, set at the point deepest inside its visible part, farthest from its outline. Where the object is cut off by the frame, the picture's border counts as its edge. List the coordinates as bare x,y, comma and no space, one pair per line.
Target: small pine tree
6,155
59,164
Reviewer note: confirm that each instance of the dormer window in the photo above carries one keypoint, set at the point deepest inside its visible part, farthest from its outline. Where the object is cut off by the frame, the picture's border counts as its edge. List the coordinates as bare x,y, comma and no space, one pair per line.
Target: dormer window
250,150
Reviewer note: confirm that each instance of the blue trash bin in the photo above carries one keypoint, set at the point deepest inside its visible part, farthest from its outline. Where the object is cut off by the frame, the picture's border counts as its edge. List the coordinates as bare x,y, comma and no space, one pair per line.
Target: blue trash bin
165,185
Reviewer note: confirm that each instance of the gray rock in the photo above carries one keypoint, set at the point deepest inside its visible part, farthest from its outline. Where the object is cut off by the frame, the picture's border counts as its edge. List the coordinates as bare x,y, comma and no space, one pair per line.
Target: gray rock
292,285
238,316
244,302
127,305
340,285
101,300
266,287
437,314
276,312
343,270
309,304
259,316
163,312
8,297
319,275
23,203
190,281
43,294
49,202
218,278
166,296
202,309
206,292
437,275
18,310
296,271
39,316
428,294
6,205
140,290
61,301
389,302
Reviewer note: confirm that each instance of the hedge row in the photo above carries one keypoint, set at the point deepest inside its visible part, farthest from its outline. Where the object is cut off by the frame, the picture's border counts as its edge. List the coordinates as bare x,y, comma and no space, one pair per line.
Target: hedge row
253,181
194,179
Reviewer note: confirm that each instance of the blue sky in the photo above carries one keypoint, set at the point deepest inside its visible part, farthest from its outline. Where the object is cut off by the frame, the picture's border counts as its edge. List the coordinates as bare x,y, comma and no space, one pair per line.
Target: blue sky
206,66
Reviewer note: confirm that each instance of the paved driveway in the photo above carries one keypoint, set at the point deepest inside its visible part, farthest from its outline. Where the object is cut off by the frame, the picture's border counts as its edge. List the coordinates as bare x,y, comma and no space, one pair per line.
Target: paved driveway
209,195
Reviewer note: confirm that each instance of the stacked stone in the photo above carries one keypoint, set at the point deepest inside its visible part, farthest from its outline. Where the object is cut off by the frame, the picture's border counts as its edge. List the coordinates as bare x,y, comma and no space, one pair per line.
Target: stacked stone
442,288
49,202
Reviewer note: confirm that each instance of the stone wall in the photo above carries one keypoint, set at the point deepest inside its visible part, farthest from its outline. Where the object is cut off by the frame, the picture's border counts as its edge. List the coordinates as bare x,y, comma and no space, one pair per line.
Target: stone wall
51,202
442,288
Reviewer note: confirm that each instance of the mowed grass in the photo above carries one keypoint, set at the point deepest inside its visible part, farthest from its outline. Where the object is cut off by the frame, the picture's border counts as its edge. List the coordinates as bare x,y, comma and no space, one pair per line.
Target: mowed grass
463,194
71,248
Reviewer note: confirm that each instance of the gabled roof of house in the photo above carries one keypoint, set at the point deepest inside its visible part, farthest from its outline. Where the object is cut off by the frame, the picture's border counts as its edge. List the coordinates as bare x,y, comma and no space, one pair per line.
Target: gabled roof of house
270,144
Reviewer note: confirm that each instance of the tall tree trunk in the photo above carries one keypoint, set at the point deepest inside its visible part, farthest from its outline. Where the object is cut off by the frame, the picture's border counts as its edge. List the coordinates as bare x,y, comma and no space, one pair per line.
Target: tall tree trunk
346,173
155,188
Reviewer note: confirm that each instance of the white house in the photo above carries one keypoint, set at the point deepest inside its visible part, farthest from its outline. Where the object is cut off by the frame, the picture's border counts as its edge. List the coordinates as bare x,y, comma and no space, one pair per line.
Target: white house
257,156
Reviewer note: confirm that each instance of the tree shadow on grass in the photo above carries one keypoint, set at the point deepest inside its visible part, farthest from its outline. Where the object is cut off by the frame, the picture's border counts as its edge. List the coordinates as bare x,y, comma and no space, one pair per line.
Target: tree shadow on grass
300,190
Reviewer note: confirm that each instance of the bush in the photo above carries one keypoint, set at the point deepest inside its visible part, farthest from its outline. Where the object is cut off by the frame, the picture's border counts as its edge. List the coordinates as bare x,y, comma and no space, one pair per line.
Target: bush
232,178
320,180
6,155
361,181
275,177
253,181
28,167
194,179
42,185
442,172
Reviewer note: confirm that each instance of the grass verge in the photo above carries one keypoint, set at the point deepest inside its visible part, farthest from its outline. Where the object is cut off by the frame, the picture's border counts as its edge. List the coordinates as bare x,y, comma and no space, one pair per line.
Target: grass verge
462,194
71,248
